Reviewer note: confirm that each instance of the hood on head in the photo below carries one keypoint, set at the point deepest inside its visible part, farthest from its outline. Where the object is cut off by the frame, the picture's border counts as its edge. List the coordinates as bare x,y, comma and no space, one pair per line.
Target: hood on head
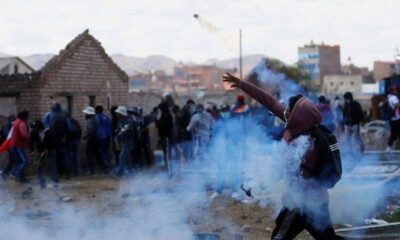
303,117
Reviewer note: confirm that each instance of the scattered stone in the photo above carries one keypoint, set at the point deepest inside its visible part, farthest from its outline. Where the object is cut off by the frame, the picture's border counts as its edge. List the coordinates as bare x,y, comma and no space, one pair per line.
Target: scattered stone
237,237
347,225
27,193
268,229
258,221
66,198
39,214
374,221
219,230
246,229
125,195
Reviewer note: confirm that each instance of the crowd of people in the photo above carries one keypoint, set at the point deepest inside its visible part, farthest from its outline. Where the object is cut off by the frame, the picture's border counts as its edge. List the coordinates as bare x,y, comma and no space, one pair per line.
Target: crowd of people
121,143
116,144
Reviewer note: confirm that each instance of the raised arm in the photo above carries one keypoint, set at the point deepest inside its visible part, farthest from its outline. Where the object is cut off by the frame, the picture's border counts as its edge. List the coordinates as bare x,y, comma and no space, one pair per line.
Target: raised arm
258,94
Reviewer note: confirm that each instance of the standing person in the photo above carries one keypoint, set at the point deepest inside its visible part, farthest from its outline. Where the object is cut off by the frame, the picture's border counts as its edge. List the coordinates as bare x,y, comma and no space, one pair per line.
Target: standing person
201,126
352,119
240,109
212,109
43,145
393,102
19,144
176,134
5,130
92,151
142,148
165,126
74,139
305,203
125,138
184,116
327,114
49,116
114,128
338,107
103,137
59,125
133,161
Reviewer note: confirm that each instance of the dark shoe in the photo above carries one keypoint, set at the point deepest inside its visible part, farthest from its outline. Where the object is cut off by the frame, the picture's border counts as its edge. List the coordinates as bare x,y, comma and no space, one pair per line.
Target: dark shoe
22,180
42,184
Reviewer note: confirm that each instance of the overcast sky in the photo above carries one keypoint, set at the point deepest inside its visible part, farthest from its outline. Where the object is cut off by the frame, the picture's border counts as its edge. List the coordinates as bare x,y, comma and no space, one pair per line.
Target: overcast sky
367,30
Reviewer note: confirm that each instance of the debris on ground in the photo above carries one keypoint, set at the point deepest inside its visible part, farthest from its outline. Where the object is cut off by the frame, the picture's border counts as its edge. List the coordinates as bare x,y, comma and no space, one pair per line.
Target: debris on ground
66,198
374,221
27,193
246,229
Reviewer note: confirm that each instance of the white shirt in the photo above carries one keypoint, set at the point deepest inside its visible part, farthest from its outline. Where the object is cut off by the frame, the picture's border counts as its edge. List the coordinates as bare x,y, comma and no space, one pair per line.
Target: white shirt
393,102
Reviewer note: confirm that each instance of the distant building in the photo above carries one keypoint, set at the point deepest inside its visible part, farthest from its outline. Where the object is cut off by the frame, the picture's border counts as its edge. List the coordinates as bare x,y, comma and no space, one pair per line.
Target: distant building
351,69
339,84
358,84
14,65
156,80
383,69
80,75
319,60
193,77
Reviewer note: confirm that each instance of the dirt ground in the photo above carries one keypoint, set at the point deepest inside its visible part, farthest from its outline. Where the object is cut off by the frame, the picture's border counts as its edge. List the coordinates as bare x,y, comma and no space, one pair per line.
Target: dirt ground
223,216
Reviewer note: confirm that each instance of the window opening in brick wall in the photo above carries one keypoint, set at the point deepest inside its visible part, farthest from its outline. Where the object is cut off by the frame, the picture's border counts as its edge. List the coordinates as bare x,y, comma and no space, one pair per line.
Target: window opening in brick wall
15,69
69,105
92,101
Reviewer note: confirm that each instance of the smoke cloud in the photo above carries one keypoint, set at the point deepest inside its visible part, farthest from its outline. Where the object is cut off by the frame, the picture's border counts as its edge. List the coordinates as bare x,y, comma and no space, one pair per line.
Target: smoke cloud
241,152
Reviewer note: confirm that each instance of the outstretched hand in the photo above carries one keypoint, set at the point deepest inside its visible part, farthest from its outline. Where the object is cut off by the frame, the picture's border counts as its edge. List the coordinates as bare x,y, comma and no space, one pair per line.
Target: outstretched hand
232,80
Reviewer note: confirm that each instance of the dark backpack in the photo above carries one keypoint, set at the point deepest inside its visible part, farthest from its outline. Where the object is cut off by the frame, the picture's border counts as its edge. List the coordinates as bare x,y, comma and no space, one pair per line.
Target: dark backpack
385,111
75,131
329,168
60,126
103,130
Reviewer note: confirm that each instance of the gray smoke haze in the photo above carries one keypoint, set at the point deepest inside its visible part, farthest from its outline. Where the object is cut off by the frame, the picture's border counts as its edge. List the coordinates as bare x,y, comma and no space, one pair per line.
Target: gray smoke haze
157,208
151,210
276,82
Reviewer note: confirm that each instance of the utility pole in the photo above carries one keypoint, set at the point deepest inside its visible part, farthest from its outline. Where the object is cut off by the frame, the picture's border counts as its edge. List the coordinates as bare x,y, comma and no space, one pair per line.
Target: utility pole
240,55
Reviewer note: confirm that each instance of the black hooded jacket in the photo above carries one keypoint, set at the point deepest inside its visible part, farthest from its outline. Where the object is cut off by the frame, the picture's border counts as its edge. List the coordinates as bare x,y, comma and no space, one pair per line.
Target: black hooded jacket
352,113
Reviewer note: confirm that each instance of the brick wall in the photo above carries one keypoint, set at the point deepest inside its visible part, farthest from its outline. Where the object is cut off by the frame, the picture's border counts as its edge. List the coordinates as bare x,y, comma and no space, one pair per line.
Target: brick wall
81,70
86,72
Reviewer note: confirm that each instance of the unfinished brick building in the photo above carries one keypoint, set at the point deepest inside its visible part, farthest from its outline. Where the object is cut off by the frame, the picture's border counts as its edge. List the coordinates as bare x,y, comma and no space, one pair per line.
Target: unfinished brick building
80,75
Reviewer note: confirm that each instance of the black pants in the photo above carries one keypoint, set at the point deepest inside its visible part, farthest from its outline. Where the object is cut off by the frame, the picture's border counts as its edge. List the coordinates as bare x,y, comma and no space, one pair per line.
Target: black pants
290,223
47,162
141,154
394,132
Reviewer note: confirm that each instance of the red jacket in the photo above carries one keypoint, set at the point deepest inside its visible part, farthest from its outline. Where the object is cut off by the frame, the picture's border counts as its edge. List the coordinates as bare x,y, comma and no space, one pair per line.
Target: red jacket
304,116
20,135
